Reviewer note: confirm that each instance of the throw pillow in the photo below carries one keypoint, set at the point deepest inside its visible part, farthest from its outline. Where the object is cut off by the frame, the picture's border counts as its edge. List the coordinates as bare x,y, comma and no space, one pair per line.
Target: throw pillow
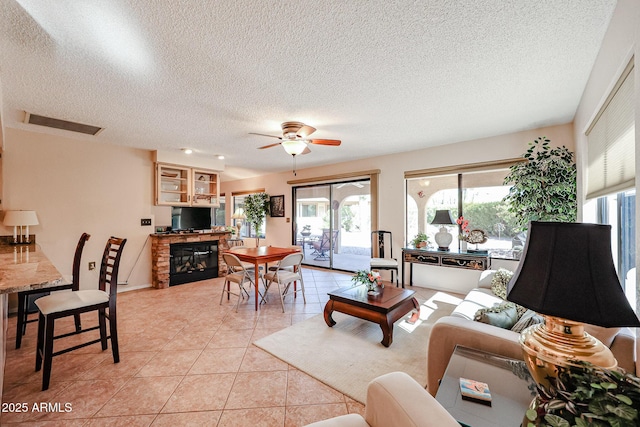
499,284
529,318
502,315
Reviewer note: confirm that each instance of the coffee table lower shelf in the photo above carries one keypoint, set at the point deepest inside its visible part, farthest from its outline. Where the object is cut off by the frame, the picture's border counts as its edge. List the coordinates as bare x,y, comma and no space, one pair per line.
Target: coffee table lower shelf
389,306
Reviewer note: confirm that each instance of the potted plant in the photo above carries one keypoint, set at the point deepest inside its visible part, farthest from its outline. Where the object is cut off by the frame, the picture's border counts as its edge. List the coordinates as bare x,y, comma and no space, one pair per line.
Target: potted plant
420,240
543,187
587,395
306,230
256,207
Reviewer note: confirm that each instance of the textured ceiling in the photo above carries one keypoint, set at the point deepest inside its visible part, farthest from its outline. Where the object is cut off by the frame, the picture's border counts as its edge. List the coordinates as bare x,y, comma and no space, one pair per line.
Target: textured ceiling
382,76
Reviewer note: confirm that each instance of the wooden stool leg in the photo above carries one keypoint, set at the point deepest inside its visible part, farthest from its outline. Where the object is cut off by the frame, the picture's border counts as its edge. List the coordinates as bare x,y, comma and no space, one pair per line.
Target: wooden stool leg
103,328
22,318
76,317
40,341
113,330
48,351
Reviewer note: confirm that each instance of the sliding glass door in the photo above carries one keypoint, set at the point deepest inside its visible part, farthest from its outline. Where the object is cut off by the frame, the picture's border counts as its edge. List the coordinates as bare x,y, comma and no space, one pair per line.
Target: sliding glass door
332,222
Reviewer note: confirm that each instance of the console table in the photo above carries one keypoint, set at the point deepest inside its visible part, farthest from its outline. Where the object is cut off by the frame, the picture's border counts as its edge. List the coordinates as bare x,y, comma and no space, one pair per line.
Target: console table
467,260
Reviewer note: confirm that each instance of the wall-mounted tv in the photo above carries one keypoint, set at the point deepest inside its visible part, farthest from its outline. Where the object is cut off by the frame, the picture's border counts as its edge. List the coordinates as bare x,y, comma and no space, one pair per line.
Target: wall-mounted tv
190,218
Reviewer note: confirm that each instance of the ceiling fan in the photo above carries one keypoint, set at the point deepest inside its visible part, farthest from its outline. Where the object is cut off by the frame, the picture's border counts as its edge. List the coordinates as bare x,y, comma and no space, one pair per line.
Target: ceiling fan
295,137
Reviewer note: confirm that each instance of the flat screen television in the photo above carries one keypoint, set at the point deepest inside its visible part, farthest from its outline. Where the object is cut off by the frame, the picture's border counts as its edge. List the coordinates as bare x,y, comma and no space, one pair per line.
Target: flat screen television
190,218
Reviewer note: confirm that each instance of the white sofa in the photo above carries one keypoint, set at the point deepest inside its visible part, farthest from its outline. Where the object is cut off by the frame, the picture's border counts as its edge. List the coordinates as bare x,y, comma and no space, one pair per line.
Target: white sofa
397,400
460,328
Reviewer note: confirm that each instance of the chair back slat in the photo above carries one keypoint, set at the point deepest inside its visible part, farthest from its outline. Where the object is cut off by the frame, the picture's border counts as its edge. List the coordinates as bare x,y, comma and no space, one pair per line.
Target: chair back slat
110,265
381,244
77,258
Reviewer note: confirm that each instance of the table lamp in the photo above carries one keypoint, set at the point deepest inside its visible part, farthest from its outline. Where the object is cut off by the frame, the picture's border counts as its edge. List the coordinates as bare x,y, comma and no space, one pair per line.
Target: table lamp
20,219
443,237
239,216
567,275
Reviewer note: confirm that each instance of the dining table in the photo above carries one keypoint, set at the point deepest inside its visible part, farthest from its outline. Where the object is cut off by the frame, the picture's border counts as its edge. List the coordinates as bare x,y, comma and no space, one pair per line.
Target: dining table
22,268
261,255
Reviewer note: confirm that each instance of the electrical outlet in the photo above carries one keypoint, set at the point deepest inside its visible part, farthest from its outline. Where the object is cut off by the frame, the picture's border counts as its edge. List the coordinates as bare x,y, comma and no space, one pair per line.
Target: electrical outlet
145,221
92,265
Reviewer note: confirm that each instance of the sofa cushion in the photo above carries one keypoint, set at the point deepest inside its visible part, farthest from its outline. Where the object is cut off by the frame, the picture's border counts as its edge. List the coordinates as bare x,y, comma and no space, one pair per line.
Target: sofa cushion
499,282
475,300
485,279
529,318
502,315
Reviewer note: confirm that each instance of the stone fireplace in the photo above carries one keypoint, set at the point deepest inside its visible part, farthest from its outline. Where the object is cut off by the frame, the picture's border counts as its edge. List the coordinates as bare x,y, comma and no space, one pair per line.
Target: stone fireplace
191,259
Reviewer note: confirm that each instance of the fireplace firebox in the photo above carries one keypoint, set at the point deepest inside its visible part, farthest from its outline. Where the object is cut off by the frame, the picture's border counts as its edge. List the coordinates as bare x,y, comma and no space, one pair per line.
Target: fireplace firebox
192,261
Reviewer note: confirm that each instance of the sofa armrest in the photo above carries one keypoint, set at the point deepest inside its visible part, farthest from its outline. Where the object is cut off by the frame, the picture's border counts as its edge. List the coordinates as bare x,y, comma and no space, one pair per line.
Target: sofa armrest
396,399
623,348
450,331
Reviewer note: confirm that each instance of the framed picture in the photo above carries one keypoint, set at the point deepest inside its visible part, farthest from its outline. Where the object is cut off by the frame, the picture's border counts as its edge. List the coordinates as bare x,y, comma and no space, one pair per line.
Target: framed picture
277,206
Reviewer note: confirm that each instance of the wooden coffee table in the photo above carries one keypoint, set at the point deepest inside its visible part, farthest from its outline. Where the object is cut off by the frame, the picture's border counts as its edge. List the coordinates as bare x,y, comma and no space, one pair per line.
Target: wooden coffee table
384,309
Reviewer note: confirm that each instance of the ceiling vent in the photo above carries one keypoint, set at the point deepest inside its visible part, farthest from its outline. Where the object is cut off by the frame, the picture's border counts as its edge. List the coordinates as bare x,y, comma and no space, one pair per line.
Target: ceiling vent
35,119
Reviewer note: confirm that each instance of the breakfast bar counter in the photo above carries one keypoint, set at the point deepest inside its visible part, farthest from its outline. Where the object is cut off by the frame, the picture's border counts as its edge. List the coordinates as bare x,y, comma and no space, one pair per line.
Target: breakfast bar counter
22,268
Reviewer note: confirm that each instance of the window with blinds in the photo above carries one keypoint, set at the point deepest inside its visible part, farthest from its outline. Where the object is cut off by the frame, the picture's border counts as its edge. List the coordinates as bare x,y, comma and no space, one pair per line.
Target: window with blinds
611,141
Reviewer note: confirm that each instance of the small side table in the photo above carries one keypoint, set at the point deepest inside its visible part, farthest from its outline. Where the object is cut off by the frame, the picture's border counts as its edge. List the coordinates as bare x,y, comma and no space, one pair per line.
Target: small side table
510,384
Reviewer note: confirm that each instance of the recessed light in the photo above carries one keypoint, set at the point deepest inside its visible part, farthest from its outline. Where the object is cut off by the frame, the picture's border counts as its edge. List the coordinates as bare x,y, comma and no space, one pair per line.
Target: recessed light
187,150
220,157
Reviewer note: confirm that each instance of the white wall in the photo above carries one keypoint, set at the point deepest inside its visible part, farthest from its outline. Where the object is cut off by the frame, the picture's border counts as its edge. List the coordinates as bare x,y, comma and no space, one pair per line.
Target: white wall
621,42
77,187
392,167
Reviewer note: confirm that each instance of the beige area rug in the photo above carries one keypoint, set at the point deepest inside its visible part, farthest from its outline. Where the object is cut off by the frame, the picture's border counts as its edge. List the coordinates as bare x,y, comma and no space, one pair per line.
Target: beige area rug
349,355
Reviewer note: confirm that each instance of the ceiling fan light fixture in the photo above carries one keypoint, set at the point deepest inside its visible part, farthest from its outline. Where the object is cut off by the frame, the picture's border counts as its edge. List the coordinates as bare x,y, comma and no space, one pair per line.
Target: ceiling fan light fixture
294,147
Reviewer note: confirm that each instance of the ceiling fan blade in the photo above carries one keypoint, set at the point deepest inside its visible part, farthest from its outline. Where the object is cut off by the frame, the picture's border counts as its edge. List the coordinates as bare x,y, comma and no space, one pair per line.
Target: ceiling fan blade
334,142
305,151
269,146
263,134
305,131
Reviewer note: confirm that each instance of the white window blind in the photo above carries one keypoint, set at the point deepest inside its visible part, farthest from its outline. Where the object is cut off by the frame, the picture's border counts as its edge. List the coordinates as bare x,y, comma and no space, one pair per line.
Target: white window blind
611,141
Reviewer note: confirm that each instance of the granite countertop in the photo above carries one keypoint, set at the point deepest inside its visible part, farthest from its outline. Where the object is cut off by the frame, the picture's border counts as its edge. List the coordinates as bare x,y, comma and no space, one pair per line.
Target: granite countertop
26,267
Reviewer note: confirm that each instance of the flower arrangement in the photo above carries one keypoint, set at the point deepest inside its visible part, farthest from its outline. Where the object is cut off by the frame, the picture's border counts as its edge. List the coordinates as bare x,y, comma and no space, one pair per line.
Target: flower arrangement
464,229
587,395
369,278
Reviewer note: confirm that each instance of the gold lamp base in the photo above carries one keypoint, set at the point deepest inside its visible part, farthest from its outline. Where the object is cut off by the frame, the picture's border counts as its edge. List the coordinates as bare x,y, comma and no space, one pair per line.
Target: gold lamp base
561,342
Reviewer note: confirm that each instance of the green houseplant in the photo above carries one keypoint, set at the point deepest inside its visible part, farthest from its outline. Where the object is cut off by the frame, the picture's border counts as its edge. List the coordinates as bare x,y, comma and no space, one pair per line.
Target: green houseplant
418,240
586,395
256,208
543,187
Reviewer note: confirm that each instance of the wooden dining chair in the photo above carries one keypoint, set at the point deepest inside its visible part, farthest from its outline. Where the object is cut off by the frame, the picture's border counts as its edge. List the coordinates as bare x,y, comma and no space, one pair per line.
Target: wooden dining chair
64,304
25,298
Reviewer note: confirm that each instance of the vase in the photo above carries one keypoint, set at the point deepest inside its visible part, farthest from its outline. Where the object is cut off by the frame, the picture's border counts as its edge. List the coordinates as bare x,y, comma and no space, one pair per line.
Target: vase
463,246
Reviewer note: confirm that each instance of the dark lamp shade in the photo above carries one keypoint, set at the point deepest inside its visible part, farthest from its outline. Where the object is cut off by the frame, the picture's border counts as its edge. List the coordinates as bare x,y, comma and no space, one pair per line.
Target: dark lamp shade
567,271
443,217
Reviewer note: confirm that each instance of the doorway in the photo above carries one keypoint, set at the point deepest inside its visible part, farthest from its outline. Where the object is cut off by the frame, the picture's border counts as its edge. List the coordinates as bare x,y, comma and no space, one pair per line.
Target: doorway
332,222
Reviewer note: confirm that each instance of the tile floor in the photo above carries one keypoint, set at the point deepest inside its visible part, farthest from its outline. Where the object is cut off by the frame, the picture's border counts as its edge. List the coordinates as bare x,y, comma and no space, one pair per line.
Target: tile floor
184,360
